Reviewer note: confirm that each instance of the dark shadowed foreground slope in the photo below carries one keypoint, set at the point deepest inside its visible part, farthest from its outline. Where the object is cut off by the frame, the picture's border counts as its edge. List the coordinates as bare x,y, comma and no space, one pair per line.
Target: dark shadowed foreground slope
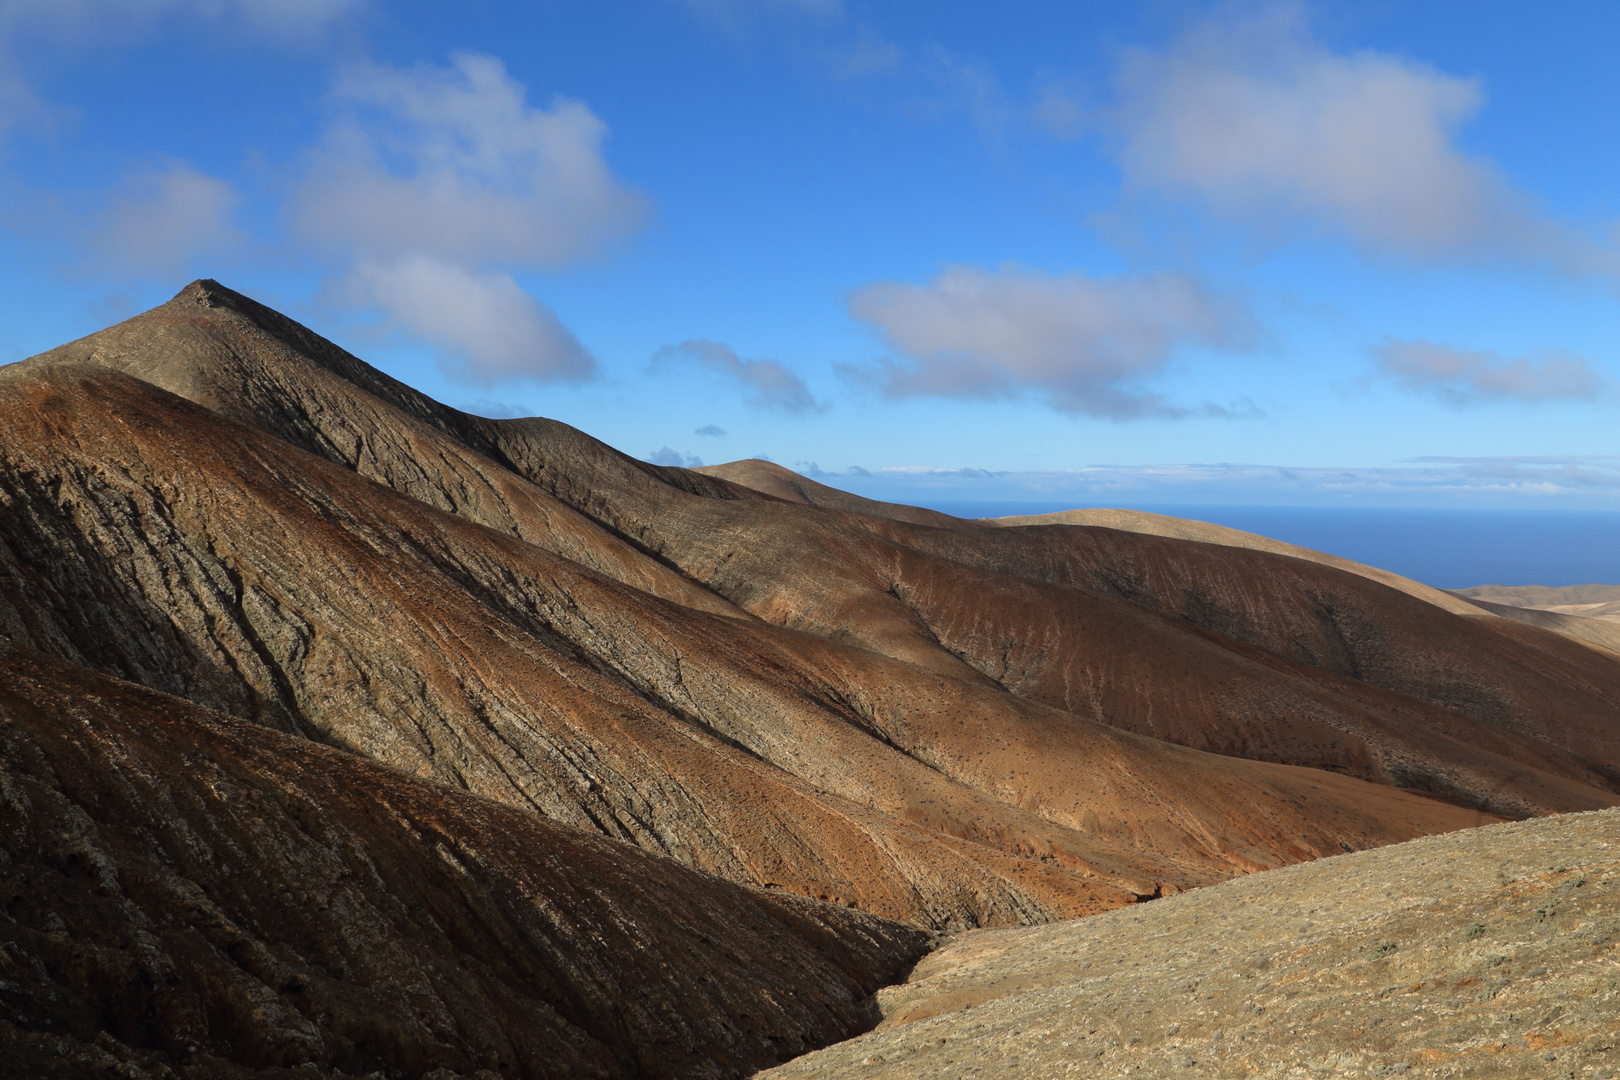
1492,953
188,890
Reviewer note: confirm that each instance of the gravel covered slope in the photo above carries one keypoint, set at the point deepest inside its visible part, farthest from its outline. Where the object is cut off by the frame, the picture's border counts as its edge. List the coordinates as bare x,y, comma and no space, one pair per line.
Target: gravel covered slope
189,894
1485,953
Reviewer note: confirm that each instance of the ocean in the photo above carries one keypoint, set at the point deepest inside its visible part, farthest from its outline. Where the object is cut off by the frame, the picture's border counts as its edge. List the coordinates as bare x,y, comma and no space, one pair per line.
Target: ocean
1449,549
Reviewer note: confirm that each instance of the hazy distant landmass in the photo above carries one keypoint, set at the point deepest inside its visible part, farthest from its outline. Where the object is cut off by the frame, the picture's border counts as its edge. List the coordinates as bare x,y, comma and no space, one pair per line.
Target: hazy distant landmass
1590,601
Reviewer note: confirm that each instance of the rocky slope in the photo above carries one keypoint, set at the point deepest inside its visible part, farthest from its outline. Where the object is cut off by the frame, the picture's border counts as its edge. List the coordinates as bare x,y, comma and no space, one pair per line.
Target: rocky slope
1493,952
187,893
452,626
161,543
1503,601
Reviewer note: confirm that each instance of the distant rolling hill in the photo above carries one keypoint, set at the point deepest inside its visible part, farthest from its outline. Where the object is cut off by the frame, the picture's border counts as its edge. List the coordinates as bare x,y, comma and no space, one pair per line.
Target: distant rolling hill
1587,601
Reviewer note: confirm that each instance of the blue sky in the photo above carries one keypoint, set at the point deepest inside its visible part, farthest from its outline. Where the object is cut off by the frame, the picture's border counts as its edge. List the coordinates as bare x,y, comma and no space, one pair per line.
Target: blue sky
1072,253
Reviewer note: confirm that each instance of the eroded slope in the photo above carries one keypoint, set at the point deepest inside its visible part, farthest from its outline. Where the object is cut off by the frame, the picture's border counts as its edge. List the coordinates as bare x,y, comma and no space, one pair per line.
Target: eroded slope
188,891
1089,621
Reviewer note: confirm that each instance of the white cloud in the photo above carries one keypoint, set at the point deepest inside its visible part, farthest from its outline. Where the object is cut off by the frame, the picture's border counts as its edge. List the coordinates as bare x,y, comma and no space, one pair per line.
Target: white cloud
164,219
1084,343
486,327
666,456
456,164
1463,376
1259,121
865,56
85,19
1424,482
435,183
766,383
496,410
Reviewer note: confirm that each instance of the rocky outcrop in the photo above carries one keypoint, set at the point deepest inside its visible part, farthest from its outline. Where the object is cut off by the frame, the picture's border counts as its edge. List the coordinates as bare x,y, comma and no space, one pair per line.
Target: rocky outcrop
1487,953
187,894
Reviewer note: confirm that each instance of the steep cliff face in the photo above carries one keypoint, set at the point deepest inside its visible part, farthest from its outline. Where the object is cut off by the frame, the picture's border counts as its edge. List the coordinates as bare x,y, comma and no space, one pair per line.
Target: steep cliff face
183,890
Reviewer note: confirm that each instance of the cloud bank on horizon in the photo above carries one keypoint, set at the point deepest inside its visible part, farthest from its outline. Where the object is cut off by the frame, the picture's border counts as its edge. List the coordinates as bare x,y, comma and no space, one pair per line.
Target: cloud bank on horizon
968,231
1587,482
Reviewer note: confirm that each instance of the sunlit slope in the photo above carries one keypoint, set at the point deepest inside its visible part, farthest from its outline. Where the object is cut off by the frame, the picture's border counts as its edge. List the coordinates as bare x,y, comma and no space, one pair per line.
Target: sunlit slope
1488,953
161,543
952,725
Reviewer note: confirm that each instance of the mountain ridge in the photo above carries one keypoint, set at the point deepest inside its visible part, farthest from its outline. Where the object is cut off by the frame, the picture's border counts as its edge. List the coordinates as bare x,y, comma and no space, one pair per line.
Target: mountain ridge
924,723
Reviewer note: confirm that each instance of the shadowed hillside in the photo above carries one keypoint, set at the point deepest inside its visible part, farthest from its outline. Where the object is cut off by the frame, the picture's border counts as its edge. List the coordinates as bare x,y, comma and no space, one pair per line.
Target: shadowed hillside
187,890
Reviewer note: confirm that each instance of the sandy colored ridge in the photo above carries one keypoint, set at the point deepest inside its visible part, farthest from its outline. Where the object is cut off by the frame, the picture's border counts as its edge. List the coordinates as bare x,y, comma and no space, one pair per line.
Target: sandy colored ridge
1587,601
1544,596
1141,521
1489,599
785,484
1493,952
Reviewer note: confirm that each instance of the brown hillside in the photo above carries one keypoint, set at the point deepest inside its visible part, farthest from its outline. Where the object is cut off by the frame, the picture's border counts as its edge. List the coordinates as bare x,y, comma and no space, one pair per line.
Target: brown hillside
186,890
338,713
787,485
1466,721
230,568
1473,602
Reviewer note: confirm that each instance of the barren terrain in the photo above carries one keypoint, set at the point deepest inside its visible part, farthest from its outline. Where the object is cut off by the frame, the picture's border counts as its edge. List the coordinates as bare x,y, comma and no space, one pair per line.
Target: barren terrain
613,769
1488,953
